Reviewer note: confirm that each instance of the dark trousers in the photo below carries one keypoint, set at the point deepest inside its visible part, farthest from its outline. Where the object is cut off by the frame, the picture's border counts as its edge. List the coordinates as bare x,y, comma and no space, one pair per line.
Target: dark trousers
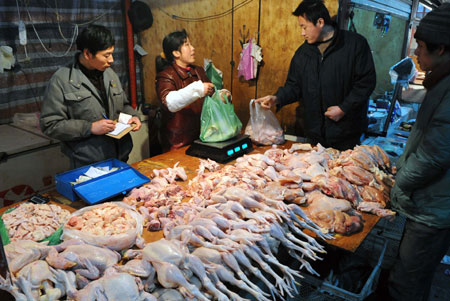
421,250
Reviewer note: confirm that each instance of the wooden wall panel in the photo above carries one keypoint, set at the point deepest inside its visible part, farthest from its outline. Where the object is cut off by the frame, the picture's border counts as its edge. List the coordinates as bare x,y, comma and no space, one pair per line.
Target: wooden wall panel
243,90
211,39
280,36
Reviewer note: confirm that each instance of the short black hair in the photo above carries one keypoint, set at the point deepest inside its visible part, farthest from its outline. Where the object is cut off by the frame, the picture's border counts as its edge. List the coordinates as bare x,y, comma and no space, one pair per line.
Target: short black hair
172,42
313,10
95,38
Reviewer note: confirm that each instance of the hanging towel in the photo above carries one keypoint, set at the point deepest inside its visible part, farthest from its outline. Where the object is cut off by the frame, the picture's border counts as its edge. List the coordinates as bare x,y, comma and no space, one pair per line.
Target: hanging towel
251,56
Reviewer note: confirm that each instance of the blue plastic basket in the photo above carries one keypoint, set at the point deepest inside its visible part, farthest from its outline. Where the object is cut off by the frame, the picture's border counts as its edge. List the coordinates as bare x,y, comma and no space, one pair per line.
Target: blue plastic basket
101,188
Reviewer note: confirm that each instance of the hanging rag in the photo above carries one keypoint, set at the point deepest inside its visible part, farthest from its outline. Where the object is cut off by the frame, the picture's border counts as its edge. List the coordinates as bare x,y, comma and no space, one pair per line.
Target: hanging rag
251,56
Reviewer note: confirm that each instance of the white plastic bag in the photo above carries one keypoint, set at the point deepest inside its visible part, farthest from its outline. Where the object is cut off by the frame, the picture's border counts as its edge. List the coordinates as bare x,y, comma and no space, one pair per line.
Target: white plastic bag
116,242
263,126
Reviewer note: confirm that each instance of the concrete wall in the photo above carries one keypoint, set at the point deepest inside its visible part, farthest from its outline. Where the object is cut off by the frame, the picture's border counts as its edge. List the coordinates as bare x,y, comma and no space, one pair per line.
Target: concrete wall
386,49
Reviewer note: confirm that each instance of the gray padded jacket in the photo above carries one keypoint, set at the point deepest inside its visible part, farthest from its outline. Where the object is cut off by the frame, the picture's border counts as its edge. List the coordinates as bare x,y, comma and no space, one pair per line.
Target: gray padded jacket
72,103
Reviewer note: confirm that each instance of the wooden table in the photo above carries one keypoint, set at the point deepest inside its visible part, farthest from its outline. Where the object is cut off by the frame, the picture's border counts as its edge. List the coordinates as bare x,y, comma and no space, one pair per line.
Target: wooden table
190,164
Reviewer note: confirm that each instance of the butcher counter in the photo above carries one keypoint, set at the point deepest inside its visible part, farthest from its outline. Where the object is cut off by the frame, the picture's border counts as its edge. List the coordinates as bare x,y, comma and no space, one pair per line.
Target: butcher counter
190,164
354,245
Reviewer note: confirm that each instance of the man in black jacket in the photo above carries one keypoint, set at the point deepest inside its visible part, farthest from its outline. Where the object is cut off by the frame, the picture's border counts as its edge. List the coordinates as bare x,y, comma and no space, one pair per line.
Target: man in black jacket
333,74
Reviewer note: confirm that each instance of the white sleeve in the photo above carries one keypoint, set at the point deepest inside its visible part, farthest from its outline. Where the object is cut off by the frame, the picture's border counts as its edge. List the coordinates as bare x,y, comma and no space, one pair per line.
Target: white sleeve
177,100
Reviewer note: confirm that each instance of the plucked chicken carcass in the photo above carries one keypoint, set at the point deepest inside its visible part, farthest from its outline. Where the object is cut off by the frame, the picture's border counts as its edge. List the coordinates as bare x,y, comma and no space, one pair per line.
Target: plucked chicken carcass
163,250
171,174
114,286
333,214
170,276
377,209
337,187
22,252
38,281
87,260
364,156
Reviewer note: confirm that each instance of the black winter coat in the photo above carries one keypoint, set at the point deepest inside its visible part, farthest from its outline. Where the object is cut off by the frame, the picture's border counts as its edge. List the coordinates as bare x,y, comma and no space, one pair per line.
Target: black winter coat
343,76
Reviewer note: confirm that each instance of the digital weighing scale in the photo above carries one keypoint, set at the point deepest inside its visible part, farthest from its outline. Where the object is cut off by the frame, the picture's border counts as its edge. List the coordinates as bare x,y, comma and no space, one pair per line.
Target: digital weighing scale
221,151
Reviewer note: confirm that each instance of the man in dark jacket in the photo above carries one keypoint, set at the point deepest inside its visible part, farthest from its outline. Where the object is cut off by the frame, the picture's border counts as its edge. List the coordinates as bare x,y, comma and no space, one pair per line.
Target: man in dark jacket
83,99
422,183
333,74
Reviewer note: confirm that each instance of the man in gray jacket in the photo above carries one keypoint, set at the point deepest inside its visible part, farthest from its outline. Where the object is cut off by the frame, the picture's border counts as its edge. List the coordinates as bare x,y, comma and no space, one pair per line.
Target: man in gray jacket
422,188
83,99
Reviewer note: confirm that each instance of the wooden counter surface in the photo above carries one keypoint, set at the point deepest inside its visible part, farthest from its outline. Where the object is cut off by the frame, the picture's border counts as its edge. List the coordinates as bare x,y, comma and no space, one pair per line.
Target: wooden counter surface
190,164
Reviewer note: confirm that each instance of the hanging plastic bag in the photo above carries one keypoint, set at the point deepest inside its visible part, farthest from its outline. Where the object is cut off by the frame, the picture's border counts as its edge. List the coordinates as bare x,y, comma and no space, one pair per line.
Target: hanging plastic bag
263,126
214,74
219,122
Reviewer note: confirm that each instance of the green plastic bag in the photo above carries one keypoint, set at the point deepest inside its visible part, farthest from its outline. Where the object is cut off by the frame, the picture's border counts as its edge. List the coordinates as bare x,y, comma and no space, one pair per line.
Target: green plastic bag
214,76
219,122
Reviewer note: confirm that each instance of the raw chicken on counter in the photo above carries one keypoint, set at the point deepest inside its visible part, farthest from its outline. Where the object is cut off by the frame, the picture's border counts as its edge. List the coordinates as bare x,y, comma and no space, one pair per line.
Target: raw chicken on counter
230,228
113,225
362,176
160,199
336,215
73,270
34,221
226,217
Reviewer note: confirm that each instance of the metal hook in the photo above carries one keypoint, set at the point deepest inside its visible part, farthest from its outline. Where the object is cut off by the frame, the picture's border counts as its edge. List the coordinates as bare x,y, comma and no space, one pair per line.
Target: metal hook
244,35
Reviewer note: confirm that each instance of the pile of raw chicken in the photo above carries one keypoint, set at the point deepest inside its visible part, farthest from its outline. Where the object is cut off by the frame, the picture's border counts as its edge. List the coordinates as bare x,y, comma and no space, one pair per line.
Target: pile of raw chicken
223,235
34,221
117,220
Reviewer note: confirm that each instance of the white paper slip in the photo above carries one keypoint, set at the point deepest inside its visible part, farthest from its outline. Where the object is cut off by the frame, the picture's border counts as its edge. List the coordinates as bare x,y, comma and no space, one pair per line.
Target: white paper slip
119,128
124,118
95,172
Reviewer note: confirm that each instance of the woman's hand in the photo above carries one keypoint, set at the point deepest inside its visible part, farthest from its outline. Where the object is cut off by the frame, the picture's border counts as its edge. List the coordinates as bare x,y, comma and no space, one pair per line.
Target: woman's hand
208,89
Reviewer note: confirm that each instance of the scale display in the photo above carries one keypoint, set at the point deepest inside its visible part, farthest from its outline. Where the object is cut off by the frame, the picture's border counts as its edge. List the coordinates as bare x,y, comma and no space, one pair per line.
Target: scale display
221,151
